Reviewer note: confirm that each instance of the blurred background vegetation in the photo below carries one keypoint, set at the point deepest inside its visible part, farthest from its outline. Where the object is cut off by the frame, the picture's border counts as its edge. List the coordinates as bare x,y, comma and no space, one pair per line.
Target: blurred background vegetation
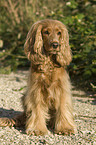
17,16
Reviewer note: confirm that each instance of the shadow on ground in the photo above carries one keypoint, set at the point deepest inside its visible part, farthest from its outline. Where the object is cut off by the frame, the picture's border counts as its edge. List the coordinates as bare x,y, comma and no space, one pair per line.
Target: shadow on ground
83,88
8,113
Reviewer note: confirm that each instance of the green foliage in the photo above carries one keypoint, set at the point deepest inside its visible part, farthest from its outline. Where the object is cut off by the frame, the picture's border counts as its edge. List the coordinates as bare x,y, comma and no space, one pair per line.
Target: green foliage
83,39
79,16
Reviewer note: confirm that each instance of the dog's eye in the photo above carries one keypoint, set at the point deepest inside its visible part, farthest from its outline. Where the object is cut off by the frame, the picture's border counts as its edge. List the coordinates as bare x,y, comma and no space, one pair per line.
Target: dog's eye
59,33
46,32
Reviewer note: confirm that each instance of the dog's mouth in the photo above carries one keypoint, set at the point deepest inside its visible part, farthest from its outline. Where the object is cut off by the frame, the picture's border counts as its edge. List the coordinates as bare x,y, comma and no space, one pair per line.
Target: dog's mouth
51,50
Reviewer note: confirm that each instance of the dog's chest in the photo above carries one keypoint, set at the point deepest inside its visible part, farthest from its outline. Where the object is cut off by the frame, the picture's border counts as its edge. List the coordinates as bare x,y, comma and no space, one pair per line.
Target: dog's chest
50,83
52,76
47,79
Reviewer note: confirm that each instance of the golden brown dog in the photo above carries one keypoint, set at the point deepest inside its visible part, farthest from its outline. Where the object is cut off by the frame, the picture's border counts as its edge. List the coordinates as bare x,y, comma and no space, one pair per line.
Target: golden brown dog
47,103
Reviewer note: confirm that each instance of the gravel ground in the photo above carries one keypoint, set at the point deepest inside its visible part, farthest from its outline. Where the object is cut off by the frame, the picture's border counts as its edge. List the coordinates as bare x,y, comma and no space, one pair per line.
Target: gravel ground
12,88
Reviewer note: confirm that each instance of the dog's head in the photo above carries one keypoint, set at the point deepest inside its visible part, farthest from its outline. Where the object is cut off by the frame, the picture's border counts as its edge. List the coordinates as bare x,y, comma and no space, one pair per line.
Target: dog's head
49,37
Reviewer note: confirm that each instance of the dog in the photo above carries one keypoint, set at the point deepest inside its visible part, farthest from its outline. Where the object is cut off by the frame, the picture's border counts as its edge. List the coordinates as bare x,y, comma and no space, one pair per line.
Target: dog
48,101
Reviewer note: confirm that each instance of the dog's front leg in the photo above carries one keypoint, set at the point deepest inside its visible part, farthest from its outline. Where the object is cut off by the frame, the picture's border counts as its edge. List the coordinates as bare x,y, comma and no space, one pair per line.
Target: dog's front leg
64,122
36,112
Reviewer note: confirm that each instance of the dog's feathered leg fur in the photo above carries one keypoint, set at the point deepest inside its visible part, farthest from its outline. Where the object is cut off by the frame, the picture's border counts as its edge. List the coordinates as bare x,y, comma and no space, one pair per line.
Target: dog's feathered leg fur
35,107
64,122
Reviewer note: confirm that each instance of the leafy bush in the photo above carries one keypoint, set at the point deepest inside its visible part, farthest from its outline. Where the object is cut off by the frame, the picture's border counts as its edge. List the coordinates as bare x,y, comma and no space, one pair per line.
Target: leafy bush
79,16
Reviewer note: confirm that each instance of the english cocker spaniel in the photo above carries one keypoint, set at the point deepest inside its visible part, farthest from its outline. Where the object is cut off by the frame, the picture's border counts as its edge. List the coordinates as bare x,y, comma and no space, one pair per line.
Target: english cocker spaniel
47,103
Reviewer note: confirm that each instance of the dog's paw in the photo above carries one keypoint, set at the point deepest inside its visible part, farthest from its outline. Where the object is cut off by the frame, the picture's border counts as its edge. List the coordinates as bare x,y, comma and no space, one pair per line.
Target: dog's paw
65,131
36,132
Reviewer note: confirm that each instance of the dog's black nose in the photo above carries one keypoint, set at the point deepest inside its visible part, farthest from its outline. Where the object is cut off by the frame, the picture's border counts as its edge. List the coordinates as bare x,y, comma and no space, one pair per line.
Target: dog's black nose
55,44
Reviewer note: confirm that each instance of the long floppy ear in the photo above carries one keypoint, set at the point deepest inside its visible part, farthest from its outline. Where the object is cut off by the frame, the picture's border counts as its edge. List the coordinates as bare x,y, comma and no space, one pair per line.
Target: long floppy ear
34,42
64,57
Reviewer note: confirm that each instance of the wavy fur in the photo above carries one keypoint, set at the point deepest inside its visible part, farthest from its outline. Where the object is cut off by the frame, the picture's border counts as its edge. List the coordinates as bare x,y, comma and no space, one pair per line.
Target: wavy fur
47,103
